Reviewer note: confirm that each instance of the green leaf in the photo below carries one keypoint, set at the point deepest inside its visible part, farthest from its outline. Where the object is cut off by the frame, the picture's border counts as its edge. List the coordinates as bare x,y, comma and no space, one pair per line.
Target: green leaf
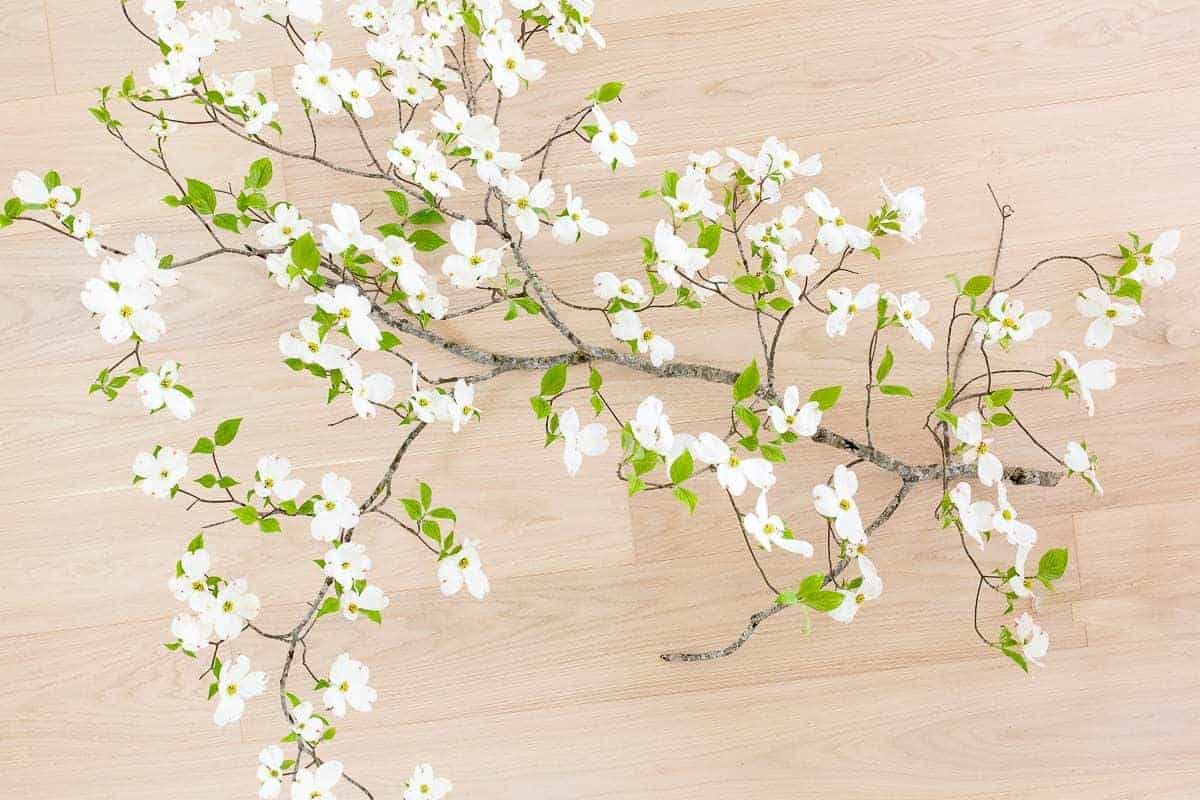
1001,419
811,584
947,394
374,616
608,92
710,239
269,525
826,397
822,600
305,254
1000,397
259,174
748,284
330,605
227,431
426,240
687,497
388,340
196,544
203,445
977,285
681,468
746,383
247,515
541,407
747,418
554,380
207,481
595,379
1129,288
399,202
787,598
471,21
203,198
1053,564
895,390
426,216
885,365
1016,657
426,494
412,507
228,222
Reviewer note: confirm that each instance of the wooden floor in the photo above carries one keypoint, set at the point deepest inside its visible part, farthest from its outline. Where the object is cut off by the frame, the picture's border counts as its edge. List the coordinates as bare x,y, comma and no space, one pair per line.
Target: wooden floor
1082,115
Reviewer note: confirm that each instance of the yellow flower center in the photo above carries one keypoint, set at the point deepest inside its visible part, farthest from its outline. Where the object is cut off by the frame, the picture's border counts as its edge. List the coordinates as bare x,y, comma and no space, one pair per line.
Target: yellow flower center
844,504
464,562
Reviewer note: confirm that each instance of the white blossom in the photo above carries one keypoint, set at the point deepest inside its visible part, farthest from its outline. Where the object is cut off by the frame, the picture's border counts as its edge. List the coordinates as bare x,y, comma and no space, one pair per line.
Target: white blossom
909,308
271,479
237,684
1098,375
270,772
910,207
770,531
1106,314
575,220
351,308
734,472
801,420
232,607
371,598
347,562
652,427
83,230
675,256
463,568
191,632
366,392
161,390
608,286
286,226
1033,640
613,142
837,503
1081,461
627,326
348,686
975,449
527,205
161,471
870,589
975,517
1009,322
835,233
305,724
335,511
580,441
1155,269
425,785
1016,532
311,348
846,304
317,784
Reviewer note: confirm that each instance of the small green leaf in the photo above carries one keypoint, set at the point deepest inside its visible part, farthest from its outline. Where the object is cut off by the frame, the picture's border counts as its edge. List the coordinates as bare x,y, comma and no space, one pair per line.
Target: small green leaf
227,222
259,174
412,508
811,584
426,494
203,198
710,239
1053,564
203,445
399,203
885,365
227,431
687,497
554,380
329,606
746,383
822,600
247,515
426,216
977,285
608,92
196,544
426,240
826,397
269,525
1000,397
893,389
681,468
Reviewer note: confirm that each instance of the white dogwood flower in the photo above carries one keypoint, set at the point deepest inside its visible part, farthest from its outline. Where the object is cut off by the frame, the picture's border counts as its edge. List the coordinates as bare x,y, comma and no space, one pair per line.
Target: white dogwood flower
837,503
1016,532
33,191
575,220
159,389
525,203
311,348
352,309
1106,314
675,256
870,589
652,427
1155,268
846,304
347,562
271,479
1080,461
801,420
909,308
408,85
710,164
613,142
1019,584
734,472
1009,321
458,408
346,231
371,598
367,391
471,264
976,449
1098,375
232,607
317,784
335,510
286,226
237,685
270,772
835,233
975,517
910,207
305,724
769,530
83,230
191,632
348,686
161,471
608,286
509,64
463,568
316,80
693,197
357,90
1033,640
191,584
124,312
627,326
802,265
425,785
580,441
407,151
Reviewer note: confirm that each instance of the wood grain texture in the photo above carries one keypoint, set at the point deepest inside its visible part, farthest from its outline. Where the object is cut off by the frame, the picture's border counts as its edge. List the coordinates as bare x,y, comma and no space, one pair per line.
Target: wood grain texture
1081,115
